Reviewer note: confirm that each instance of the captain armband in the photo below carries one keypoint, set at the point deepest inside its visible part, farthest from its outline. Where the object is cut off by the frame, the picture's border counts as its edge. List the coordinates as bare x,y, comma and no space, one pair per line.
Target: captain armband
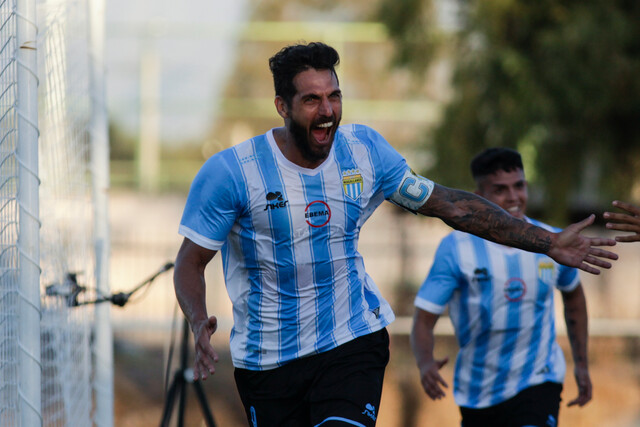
413,192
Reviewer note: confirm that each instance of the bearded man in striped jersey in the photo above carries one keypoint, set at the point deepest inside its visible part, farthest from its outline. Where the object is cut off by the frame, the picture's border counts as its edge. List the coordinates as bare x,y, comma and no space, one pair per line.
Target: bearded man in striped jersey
285,208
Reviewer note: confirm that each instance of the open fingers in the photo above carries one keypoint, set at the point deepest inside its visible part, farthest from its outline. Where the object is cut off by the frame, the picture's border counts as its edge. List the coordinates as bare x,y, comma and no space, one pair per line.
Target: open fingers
602,253
622,217
204,365
631,238
632,209
579,226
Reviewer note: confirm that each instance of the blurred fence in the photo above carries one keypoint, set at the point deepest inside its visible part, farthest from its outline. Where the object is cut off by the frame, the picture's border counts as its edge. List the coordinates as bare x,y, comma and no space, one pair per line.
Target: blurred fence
398,250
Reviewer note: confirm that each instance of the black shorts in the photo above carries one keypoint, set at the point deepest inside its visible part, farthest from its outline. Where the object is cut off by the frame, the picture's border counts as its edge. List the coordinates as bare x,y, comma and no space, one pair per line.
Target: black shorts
534,406
340,387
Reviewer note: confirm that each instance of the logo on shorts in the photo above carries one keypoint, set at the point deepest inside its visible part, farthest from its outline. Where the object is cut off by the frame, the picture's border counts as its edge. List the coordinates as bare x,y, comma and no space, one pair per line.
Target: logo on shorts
275,201
352,183
254,419
514,289
551,421
370,411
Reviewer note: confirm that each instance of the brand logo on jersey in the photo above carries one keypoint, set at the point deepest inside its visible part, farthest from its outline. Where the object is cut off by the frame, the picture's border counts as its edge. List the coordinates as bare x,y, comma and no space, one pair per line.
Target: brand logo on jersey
317,213
370,411
275,201
546,269
352,183
481,275
514,289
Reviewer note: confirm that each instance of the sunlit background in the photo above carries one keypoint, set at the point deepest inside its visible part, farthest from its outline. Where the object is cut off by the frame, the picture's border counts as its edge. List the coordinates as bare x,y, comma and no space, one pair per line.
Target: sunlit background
440,79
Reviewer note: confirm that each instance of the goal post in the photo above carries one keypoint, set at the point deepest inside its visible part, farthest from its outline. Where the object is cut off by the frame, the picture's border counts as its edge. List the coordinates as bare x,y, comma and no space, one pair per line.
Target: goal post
103,348
29,373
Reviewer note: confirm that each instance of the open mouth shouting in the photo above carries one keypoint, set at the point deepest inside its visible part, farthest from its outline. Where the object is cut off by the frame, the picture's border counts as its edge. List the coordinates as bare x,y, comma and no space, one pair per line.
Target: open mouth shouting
322,132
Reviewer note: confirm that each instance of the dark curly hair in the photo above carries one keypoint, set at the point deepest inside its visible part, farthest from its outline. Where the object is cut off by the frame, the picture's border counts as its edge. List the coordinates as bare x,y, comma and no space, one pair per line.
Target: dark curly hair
291,60
495,159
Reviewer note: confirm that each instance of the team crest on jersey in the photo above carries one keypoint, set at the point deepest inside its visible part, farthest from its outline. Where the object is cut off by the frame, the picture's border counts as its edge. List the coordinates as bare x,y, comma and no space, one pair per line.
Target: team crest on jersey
546,271
352,183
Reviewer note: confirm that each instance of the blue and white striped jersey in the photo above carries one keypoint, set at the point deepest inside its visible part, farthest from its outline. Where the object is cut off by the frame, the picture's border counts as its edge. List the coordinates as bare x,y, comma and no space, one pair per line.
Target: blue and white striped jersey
289,241
501,305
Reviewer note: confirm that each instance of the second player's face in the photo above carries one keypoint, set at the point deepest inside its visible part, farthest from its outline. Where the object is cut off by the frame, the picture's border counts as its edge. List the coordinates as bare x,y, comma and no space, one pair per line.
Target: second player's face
507,190
315,113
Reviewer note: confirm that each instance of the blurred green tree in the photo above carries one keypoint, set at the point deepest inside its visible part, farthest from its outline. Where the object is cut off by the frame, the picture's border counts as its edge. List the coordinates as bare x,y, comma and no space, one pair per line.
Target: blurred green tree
557,80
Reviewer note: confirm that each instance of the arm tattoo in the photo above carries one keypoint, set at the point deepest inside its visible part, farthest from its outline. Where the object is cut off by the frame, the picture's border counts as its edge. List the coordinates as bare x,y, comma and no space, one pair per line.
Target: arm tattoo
473,214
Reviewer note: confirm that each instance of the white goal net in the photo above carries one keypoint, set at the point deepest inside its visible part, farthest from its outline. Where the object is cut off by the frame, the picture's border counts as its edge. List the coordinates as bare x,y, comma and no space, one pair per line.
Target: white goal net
61,366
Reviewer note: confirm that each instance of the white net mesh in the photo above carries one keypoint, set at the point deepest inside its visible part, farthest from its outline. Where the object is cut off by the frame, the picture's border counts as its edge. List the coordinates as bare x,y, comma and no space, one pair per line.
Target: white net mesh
66,247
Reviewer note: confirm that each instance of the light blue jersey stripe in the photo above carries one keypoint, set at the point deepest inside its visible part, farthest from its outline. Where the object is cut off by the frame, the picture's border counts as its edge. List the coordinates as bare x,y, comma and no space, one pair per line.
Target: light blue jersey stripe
509,336
482,342
322,264
352,211
284,258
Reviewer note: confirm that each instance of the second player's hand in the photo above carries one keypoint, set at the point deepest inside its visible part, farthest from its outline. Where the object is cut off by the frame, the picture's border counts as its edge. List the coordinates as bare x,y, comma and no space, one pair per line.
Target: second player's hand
585,389
432,381
629,221
206,356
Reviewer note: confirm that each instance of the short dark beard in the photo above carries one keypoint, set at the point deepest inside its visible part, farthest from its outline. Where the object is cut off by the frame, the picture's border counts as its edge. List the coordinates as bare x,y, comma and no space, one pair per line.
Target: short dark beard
301,140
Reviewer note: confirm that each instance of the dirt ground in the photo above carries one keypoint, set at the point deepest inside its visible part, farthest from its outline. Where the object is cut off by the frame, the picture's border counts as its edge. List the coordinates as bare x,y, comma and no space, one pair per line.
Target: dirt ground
140,385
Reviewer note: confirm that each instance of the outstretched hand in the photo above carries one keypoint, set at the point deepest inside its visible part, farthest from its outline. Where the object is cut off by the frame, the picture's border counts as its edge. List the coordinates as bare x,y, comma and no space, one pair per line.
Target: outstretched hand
572,249
206,356
625,221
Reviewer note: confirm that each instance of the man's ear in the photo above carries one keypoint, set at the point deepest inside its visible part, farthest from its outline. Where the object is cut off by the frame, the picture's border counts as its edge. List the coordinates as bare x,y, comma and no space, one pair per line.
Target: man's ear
281,107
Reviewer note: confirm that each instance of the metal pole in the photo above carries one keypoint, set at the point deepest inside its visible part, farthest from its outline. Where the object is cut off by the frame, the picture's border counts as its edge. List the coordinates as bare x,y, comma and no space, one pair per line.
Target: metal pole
103,348
30,368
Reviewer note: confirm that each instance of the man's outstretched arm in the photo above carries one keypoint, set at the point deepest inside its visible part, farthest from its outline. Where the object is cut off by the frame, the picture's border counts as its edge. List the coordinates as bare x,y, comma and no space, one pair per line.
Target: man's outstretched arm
473,214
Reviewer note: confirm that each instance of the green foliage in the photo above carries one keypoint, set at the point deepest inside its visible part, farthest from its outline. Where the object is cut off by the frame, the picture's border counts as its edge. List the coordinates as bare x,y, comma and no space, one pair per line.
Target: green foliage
411,25
558,79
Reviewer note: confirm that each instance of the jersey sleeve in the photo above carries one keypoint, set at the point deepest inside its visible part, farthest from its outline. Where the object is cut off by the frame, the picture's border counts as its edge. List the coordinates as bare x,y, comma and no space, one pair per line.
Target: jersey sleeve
389,165
213,203
443,279
568,278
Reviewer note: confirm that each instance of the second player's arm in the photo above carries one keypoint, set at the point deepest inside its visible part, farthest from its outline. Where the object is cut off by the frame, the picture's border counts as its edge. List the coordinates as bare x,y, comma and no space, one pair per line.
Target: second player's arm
576,320
422,344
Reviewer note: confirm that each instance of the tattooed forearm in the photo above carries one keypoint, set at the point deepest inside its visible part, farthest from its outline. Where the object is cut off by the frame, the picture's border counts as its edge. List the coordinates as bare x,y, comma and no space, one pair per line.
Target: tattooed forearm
473,214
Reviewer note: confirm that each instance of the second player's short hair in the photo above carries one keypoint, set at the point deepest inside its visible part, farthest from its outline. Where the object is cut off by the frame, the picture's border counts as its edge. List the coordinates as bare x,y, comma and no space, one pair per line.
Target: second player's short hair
493,160
291,60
